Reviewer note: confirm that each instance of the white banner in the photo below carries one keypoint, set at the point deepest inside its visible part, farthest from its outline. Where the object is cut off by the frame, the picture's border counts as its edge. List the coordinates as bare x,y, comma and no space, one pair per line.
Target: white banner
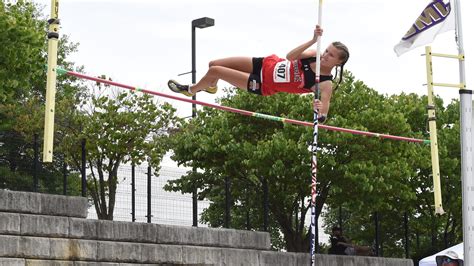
436,18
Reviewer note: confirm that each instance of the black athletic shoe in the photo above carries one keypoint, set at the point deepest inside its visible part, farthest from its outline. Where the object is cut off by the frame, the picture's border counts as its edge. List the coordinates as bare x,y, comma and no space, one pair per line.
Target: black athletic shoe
176,87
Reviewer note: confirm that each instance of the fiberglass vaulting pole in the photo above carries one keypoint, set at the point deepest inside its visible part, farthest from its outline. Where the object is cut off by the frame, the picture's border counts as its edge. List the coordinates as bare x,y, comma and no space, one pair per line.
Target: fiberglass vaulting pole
314,148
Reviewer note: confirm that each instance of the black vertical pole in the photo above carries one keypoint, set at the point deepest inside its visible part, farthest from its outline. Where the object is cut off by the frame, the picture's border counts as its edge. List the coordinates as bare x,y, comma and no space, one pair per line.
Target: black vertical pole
64,176
193,106
247,210
200,23
265,204
193,64
417,240
381,239
83,168
377,237
227,202
296,214
148,195
195,205
133,193
302,207
340,217
35,162
247,219
445,240
407,243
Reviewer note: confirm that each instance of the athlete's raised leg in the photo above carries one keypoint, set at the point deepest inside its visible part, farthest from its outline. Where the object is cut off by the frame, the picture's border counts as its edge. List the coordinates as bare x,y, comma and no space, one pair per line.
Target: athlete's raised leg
235,70
235,77
240,63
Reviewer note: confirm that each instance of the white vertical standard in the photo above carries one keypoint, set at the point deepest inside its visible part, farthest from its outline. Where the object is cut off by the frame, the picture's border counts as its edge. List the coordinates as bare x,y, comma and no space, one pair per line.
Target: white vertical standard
466,148
314,148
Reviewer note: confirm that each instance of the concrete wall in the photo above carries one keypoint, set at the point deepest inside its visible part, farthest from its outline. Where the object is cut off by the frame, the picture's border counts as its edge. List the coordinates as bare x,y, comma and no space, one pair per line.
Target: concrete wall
40,229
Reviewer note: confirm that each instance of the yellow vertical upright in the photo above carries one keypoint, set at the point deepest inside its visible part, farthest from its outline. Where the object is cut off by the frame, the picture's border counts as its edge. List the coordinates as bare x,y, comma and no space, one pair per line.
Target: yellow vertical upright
53,36
433,133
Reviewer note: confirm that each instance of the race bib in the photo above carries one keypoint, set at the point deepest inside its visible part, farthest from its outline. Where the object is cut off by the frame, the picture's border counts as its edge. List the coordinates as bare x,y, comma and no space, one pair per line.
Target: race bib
281,73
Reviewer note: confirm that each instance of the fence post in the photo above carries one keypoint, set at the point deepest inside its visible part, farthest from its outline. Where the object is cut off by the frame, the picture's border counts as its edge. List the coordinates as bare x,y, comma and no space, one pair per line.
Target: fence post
247,219
407,241
83,168
35,162
133,193
247,205
64,176
377,235
195,204
148,195
417,240
376,222
296,211
340,217
265,204
227,202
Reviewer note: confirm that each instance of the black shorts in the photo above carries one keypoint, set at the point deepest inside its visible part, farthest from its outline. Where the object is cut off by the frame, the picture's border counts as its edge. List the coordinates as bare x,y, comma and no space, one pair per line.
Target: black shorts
254,84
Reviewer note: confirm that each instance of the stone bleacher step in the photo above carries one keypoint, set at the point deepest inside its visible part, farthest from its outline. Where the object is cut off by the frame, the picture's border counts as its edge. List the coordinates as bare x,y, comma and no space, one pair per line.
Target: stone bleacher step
44,204
39,229
79,228
60,249
33,262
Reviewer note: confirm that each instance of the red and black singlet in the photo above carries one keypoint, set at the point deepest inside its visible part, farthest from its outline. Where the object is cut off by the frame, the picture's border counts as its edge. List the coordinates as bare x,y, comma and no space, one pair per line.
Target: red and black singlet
281,75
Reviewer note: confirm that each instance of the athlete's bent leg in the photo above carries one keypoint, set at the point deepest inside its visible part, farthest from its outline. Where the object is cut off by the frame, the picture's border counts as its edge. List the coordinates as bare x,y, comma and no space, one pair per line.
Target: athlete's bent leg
243,64
239,63
235,77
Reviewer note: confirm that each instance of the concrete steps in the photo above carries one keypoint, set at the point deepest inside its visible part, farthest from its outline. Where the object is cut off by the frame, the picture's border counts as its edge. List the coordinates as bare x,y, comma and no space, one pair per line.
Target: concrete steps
83,229
41,229
36,203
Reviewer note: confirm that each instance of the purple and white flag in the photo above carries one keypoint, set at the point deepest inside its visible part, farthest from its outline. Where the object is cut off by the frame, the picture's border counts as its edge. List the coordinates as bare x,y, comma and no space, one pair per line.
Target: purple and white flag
436,18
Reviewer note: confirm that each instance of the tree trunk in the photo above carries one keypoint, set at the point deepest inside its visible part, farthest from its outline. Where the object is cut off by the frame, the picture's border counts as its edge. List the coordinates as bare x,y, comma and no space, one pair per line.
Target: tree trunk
295,240
113,189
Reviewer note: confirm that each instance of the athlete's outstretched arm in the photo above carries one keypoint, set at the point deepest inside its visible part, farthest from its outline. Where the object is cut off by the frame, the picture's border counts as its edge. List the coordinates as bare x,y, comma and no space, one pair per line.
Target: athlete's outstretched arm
302,50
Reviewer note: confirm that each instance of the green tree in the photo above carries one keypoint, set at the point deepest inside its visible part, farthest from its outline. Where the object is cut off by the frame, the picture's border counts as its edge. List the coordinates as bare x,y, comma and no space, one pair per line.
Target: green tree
23,46
435,232
120,127
22,49
248,150
428,232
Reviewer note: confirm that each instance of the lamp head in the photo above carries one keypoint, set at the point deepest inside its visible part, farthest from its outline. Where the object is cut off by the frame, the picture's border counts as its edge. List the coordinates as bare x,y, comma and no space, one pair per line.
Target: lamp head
203,22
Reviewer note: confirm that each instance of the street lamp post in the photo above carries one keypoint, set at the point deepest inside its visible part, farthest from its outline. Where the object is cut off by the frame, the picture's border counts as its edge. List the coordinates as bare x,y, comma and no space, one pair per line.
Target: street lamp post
200,23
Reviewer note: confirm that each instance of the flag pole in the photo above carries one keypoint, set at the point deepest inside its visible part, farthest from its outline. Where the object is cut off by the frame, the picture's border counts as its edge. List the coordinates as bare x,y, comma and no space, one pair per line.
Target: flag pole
314,149
466,147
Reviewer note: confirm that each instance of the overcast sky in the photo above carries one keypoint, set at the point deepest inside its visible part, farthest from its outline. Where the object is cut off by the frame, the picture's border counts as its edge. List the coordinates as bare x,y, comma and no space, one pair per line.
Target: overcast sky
146,42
